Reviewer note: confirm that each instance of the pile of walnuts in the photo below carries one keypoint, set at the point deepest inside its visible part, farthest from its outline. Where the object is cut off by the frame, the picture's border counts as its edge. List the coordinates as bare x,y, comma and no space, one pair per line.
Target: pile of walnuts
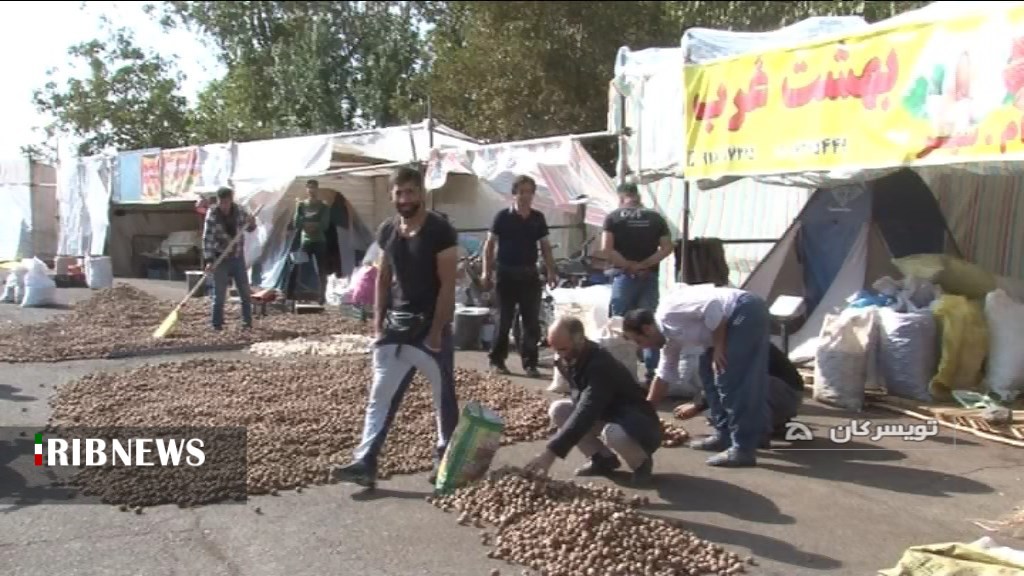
303,416
120,321
673,435
565,529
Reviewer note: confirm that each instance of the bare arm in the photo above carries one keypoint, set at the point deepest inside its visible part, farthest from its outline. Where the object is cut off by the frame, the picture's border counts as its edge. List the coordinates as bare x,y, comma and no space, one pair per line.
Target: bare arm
383,286
668,370
610,254
664,249
489,255
549,258
444,311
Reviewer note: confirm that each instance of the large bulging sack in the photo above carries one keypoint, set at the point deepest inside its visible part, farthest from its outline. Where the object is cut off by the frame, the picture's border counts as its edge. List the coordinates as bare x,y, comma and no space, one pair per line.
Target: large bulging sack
1006,345
99,272
908,352
40,289
965,345
845,359
953,275
471,449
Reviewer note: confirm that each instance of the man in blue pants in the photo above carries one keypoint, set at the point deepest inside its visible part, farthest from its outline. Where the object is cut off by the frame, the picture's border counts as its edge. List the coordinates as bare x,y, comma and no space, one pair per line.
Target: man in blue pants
733,327
635,240
415,303
223,221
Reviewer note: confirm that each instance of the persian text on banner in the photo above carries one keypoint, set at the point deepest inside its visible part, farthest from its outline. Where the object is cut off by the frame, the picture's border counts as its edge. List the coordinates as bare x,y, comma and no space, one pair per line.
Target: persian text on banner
924,94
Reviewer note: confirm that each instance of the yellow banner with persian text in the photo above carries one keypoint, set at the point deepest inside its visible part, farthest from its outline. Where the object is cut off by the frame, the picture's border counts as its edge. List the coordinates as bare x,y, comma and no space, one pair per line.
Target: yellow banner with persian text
924,94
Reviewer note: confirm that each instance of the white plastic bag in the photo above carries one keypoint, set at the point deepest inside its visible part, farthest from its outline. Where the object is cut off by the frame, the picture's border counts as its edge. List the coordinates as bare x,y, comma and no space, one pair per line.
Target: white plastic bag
14,286
99,272
908,352
845,358
1006,345
40,289
623,350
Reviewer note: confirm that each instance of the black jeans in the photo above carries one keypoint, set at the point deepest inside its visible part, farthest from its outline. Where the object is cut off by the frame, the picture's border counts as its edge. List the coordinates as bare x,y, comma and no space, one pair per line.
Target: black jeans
518,287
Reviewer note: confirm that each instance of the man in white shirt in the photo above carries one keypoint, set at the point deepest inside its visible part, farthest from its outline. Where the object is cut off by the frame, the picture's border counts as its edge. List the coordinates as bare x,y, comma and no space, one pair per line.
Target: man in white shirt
732,326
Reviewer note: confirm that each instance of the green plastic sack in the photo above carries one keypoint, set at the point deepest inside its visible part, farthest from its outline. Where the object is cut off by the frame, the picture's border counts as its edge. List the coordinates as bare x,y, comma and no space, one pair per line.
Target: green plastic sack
471,449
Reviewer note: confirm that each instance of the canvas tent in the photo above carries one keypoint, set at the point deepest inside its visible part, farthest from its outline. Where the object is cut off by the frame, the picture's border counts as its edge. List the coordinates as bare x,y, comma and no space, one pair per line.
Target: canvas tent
28,209
843,241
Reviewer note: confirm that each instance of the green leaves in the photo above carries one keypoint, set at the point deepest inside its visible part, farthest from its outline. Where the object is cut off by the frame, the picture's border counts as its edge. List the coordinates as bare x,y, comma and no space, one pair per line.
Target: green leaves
497,70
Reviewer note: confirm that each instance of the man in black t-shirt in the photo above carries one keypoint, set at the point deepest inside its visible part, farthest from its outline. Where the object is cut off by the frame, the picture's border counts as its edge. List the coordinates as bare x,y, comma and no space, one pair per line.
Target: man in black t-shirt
518,231
415,302
635,241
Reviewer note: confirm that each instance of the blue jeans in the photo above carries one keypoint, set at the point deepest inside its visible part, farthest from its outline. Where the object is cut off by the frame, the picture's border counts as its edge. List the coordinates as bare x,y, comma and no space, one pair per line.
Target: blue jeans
630,293
232,268
738,398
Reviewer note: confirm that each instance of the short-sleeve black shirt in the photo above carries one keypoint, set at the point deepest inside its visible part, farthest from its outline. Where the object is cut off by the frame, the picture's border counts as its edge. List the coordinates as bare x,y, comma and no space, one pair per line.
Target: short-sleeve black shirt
413,261
518,237
637,230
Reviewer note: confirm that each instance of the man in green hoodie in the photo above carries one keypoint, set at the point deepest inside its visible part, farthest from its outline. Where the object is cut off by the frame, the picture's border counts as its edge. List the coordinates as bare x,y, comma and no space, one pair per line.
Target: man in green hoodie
312,217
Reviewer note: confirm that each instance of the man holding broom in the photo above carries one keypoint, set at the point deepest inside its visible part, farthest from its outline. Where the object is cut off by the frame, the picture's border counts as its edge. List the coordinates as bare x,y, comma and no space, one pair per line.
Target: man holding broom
224,220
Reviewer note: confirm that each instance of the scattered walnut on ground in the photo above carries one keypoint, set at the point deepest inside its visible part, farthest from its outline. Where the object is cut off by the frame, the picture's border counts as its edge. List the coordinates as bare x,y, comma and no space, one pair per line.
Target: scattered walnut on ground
303,416
561,528
121,320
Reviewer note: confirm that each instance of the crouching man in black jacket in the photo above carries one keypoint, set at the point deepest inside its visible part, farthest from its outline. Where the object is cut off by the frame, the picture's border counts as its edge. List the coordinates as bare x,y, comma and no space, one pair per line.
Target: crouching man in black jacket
607,401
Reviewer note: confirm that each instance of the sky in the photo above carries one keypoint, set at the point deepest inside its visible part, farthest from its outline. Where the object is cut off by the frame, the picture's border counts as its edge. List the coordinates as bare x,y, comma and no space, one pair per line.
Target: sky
35,36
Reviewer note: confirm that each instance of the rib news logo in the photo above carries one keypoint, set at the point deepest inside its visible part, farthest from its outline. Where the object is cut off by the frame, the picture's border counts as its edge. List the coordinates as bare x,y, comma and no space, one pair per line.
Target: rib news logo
119,452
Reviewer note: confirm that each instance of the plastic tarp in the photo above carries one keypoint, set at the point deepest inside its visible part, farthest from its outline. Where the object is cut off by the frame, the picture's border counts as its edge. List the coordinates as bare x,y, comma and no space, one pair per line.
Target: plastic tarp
83,193
263,171
566,175
15,208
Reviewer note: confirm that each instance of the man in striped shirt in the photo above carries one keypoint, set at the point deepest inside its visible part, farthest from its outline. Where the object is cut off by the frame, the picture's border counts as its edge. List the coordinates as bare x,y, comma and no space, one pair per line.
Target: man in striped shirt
223,221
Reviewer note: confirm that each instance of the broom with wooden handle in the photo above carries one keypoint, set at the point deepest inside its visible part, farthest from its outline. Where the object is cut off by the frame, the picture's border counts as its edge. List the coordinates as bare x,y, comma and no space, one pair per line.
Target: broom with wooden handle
172,319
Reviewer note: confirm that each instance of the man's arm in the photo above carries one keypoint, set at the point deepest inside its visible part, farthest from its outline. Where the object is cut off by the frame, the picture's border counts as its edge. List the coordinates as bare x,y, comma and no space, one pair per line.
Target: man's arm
549,258
381,289
210,237
488,267
668,371
246,220
664,249
609,252
444,311
588,409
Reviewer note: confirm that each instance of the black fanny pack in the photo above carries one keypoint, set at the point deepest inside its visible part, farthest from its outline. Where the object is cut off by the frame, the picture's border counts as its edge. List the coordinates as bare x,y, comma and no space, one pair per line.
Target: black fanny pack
405,327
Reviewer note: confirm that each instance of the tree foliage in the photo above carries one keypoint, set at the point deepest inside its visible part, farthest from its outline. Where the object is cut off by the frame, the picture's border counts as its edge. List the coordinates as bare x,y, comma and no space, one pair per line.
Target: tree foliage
127,98
496,70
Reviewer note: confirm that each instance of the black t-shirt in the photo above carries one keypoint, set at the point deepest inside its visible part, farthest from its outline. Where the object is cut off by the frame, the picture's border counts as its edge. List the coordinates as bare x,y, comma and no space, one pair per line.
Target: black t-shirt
637,230
413,261
518,237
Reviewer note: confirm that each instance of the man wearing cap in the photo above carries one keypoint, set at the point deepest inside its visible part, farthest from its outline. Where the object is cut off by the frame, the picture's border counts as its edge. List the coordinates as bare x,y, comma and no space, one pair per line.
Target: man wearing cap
224,220
635,241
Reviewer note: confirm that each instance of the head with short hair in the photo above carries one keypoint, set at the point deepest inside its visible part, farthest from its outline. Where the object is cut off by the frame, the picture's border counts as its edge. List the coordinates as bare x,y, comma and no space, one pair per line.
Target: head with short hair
225,196
567,337
407,191
629,194
523,190
639,327
313,189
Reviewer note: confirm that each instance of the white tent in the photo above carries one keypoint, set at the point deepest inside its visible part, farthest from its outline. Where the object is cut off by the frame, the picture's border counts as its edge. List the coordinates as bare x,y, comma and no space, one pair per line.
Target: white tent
468,181
28,209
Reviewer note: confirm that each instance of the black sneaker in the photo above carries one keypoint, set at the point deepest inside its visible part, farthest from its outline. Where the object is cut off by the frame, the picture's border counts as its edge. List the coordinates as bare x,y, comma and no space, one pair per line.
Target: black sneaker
356,473
644,475
599,466
532,372
500,368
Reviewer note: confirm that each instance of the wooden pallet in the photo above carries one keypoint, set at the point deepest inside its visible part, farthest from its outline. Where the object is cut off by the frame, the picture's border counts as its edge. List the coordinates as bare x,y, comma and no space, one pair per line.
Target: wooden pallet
950,416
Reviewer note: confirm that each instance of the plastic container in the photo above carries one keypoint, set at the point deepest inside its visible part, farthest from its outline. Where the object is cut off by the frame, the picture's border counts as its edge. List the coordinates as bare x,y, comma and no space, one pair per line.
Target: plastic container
469,323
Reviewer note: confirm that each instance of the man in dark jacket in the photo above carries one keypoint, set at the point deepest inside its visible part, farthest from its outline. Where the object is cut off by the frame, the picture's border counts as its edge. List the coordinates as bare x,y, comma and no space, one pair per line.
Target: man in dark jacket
605,400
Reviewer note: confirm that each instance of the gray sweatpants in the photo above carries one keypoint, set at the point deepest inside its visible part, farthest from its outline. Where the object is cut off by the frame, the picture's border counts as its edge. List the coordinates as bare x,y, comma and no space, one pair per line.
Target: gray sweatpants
393,370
